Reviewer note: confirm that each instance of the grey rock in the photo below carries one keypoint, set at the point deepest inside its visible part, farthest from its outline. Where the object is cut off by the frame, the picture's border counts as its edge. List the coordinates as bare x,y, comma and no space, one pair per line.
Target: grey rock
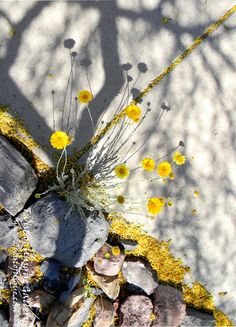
50,269
136,311
196,318
3,319
169,306
129,245
6,235
41,300
73,313
17,178
109,284
71,240
21,315
139,273
104,313
3,256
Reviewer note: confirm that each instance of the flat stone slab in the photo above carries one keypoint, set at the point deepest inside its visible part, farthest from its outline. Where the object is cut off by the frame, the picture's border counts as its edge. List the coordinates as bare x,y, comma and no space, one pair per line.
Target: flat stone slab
17,178
71,240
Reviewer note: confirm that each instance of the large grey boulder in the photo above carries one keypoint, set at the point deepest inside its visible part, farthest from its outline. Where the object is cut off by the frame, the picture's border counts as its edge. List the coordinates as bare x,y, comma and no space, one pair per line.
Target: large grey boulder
17,178
71,240
196,318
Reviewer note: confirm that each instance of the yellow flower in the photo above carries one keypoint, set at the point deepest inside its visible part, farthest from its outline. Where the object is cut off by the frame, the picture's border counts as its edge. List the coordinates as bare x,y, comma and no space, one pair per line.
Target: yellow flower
85,96
155,205
120,199
107,255
148,164
164,169
133,112
178,158
59,140
196,194
115,250
122,171
152,316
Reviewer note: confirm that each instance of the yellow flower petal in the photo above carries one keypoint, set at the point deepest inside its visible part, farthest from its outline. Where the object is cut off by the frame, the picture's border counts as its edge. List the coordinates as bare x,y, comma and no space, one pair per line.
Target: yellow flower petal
122,171
148,164
85,96
164,169
59,140
155,205
179,159
133,112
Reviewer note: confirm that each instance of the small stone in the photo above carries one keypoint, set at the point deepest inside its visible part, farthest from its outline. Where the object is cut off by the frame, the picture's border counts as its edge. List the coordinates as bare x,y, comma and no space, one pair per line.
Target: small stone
3,280
169,306
73,313
129,245
106,263
71,240
17,178
42,300
50,269
104,313
21,315
136,311
139,273
3,319
109,284
195,318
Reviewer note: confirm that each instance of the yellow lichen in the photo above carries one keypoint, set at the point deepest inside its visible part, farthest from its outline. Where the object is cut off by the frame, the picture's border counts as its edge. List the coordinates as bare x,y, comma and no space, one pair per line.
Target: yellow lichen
92,313
5,295
13,129
169,269
222,319
198,297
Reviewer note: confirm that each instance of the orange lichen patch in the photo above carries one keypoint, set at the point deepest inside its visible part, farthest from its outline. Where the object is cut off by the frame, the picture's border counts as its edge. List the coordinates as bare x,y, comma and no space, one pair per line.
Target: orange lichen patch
169,269
13,129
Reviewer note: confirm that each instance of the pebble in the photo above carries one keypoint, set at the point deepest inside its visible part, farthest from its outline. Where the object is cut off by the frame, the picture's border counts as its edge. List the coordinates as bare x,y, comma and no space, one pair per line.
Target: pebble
136,311
139,273
106,263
